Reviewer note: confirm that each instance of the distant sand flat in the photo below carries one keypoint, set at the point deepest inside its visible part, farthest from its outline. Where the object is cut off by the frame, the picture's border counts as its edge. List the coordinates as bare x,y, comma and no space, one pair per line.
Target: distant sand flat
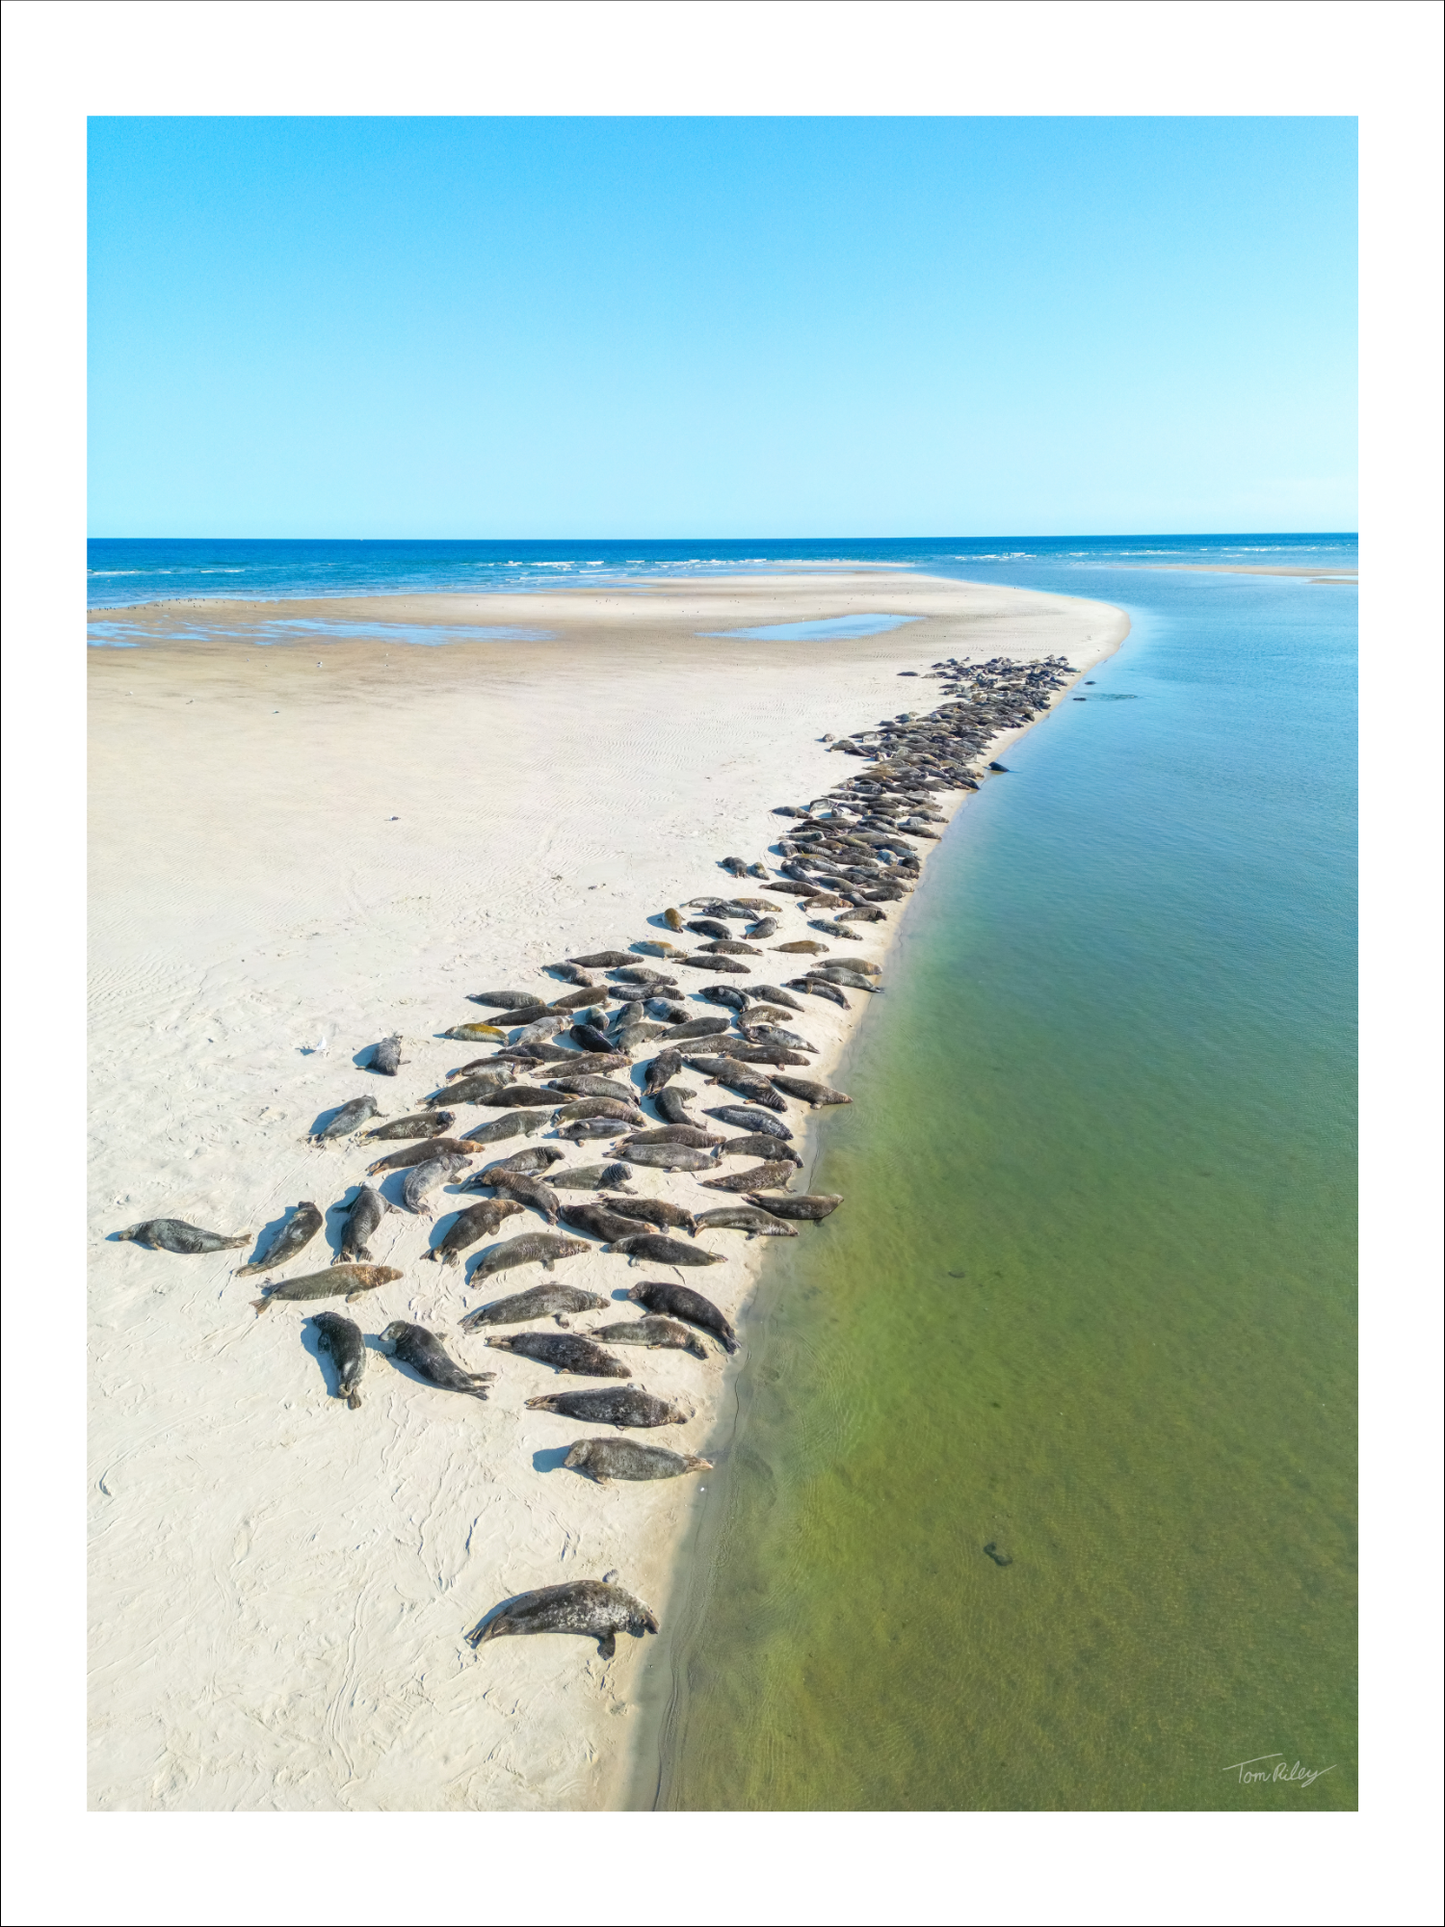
288,863
1250,568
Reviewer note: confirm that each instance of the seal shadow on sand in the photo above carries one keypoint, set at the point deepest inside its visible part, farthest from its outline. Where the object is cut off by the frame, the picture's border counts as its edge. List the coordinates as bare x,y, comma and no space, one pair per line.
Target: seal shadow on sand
333,1219
268,1232
325,1117
311,1344
552,1458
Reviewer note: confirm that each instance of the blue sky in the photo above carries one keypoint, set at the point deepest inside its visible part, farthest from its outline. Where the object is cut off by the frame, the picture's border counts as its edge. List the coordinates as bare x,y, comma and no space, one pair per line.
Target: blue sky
768,327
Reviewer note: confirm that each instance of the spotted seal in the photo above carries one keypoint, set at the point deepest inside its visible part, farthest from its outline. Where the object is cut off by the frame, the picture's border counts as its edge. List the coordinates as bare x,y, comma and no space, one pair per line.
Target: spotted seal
293,1236
587,1085
604,960
583,1128
514,1124
174,1234
747,1119
506,999
691,1134
671,1104
681,1301
695,1027
600,1220
662,1069
656,1250
590,1607
662,1214
363,1215
468,1090
623,1111
810,1091
529,1189
520,1097
592,1177
757,1179
606,1459
823,987
757,1144
533,1248
414,1345
536,1159
342,1341
347,1119
542,1301
668,1157
617,1405
337,1281
564,1352
469,1227
657,1334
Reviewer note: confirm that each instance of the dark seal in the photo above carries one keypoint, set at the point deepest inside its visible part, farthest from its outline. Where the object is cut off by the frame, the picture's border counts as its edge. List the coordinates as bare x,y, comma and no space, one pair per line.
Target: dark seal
174,1234
590,1607
414,1345
342,1340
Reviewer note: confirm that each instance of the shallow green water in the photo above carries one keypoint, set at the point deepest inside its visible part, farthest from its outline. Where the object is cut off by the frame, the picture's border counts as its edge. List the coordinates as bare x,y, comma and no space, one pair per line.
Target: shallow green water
1091,1298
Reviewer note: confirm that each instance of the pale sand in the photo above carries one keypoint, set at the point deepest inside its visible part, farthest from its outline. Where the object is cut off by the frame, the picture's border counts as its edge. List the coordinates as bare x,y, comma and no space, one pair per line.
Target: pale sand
1348,576
279,1587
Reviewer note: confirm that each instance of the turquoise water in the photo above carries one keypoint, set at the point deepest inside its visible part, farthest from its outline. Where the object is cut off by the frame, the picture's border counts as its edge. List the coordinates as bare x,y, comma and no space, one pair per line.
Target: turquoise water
829,629
125,570
133,635
1090,1302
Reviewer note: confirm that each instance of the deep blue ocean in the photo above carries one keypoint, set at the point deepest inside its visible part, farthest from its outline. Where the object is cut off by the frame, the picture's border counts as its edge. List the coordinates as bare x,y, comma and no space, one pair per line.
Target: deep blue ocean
123,571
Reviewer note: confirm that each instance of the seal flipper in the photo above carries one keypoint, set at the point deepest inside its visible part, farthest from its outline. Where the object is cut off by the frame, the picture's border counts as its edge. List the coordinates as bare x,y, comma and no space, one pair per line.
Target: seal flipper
261,1304
353,1402
607,1646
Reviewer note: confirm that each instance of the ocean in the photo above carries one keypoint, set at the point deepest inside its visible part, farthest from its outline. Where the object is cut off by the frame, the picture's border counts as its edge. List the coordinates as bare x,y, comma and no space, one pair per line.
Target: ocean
1040,1493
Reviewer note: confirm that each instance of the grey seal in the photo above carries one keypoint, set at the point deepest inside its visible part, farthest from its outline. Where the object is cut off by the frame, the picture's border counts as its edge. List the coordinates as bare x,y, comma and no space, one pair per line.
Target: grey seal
671,1104
661,1213
623,1110
589,1086
591,1177
756,1179
810,1205
414,1345
420,1153
657,1334
695,1027
542,1301
612,1405
385,1057
663,1068
506,999
681,1301
422,1178
657,1250
536,1159
809,1091
600,1221
533,1248
337,1281
346,1120
590,1607
604,960
757,1144
822,987
363,1215
750,1120
513,1124
342,1340
668,1157
469,1227
468,1090
529,1189
431,1124
174,1234
751,1218
564,1352
293,1236
691,1134
606,1459
520,1097
583,1128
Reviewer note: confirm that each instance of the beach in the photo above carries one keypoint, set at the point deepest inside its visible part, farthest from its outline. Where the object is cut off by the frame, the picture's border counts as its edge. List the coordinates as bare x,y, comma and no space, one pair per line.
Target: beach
297,850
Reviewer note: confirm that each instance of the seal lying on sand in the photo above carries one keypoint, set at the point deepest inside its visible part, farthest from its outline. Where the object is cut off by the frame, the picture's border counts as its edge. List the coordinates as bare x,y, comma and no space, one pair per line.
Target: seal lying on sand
583,1128
656,1250
598,1221
528,1189
757,1145
432,1124
693,1135
363,1215
386,1058
757,1179
660,1212
422,1178
468,1090
338,1281
174,1234
589,1086
657,1334
617,1405
537,1159
671,1104
421,1153
564,1352
342,1340
606,1459
681,1301
534,1248
810,1092
469,1227
590,1607
669,1157
810,1206
750,1120
414,1345
542,1301
346,1120
663,1068
294,1235
744,1217
513,1124
591,1177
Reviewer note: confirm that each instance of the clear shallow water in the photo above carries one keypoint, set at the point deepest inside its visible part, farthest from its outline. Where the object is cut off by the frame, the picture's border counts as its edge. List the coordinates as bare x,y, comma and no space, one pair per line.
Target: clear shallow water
132,635
1091,1299
832,629
127,571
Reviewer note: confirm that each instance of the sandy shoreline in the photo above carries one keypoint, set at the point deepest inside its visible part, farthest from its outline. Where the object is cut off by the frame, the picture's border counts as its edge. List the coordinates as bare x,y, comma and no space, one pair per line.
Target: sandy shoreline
284,854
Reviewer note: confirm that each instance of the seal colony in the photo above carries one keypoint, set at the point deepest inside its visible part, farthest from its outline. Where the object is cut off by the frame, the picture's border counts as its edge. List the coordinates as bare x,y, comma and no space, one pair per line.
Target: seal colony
659,1126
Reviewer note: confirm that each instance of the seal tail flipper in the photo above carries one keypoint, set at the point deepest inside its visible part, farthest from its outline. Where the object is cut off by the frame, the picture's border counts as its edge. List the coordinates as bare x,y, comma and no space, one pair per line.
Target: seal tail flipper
353,1402
607,1645
698,1465
235,1244
482,1632
261,1304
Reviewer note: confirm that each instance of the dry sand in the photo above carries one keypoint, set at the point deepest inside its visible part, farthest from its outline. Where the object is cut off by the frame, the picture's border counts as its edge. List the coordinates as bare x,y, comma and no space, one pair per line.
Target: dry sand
288,863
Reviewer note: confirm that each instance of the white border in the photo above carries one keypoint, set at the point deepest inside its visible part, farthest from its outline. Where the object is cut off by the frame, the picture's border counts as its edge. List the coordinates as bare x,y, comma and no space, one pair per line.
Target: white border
64,61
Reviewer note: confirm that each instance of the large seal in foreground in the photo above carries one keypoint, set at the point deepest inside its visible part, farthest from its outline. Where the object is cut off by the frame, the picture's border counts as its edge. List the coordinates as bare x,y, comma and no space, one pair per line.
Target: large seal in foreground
590,1607
337,1281
174,1234
681,1301
342,1339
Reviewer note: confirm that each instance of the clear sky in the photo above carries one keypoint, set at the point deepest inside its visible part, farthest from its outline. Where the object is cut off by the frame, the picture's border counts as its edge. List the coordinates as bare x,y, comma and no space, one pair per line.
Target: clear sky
770,327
